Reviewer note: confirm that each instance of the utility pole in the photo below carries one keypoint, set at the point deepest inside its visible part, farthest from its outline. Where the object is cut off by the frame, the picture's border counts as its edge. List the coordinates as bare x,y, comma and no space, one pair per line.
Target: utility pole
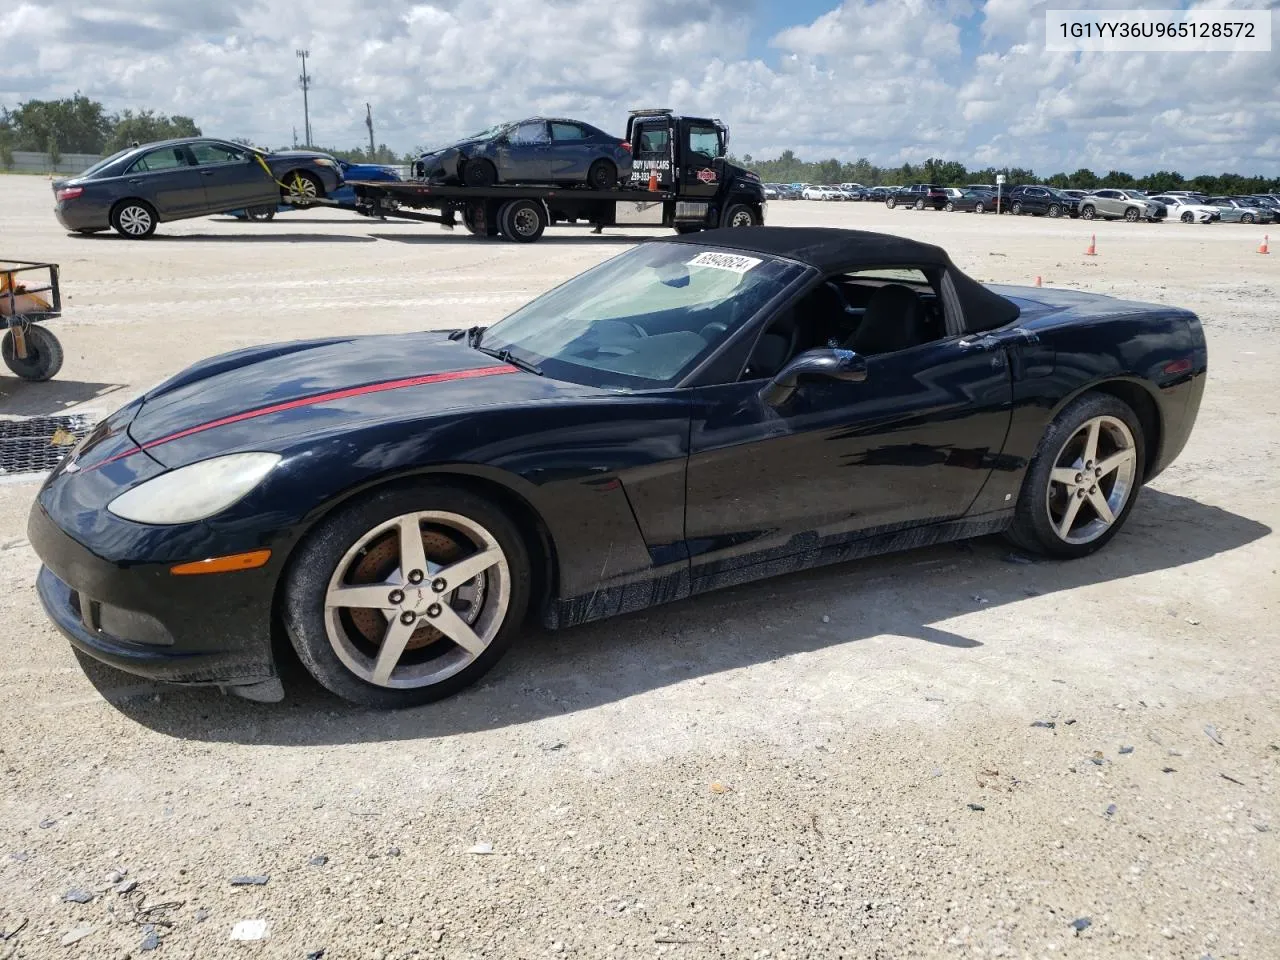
306,84
295,136
368,122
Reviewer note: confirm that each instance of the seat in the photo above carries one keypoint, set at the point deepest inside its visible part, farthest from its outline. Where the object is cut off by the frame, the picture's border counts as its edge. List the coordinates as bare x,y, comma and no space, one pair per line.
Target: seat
894,320
770,353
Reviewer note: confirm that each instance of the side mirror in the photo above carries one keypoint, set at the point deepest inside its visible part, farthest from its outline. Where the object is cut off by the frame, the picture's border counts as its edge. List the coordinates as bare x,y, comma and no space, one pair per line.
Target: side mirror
829,362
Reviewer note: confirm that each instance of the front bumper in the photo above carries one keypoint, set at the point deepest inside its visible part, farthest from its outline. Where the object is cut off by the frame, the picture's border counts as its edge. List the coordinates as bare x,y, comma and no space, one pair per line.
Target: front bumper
136,617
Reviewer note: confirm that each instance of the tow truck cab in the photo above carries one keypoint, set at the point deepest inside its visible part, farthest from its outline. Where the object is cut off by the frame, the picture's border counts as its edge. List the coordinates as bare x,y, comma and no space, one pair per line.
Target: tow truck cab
687,155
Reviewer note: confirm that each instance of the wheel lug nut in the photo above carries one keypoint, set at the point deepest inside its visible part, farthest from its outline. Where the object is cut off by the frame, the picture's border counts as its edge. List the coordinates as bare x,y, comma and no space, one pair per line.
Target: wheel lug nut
408,617
415,576
433,610
438,585
1080,494
1079,477
396,596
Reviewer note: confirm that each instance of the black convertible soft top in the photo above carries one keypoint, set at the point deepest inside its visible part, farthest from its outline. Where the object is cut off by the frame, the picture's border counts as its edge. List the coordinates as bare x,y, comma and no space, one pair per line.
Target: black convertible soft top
829,250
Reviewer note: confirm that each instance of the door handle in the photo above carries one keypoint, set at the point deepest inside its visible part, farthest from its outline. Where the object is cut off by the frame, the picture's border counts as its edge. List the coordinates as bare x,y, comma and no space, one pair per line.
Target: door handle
206,173
136,180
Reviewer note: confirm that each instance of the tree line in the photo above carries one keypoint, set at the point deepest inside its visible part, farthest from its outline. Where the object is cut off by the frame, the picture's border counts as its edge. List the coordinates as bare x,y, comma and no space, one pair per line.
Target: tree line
788,168
79,125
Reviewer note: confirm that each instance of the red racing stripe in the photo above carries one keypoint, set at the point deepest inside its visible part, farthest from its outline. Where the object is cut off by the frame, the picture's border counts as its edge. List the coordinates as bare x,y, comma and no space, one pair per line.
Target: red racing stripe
332,395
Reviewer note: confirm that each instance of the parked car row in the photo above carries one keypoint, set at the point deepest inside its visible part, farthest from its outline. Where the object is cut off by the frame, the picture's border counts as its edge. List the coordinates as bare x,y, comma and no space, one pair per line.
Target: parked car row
1103,204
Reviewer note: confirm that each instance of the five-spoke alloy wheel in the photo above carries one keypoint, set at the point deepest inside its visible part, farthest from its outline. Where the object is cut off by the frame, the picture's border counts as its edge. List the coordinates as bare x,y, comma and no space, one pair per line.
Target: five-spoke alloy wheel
1083,480
408,596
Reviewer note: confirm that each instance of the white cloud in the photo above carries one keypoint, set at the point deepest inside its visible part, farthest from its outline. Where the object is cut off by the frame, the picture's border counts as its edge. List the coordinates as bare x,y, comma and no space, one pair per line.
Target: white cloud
892,80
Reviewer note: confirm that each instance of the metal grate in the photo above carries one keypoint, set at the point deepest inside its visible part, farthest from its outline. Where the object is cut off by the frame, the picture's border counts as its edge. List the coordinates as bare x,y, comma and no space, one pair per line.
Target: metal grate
39,443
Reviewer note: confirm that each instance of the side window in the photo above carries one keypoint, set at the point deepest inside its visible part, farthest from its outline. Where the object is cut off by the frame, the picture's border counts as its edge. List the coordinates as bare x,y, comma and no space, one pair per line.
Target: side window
166,158
530,133
704,139
654,139
207,154
567,131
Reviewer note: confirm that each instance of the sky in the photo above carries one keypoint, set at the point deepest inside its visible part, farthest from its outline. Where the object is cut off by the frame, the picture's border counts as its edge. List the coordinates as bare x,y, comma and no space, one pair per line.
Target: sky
890,80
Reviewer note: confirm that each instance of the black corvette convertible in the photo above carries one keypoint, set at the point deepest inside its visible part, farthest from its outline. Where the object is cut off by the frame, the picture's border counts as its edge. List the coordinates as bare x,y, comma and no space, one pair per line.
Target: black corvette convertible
696,412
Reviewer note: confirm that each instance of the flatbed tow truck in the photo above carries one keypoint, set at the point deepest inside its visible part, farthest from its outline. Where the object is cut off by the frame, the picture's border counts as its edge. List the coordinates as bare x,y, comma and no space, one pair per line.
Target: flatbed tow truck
680,179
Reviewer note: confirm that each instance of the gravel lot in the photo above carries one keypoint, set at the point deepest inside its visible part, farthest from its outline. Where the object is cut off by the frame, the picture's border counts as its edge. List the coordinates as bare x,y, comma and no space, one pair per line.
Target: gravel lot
833,764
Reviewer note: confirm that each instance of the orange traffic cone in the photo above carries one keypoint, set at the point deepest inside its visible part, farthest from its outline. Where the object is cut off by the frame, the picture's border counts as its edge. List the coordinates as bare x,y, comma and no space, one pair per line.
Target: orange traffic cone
653,180
1265,248
1037,281
1093,246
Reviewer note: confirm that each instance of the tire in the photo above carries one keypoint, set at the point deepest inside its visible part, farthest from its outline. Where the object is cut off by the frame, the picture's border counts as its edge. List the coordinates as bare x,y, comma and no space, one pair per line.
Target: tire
88,231
262,213
919,204
950,207
1188,217
522,221
1055,211
1087,213
1049,486
44,354
683,228
739,215
479,173
891,203
338,644
1132,214
602,175
979,208
1016,209
1246,218
302,186
134,219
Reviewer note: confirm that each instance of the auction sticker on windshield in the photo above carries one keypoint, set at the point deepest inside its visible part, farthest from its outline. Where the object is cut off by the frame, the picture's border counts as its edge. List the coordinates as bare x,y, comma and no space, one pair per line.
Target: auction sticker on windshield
725,261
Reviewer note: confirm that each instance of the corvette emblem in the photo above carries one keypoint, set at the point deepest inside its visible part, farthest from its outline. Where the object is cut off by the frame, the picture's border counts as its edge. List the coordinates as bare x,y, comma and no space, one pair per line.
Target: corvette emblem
707,176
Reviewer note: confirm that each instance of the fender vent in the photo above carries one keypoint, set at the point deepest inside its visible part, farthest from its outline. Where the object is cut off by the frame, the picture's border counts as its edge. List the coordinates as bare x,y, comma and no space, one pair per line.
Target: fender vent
38,444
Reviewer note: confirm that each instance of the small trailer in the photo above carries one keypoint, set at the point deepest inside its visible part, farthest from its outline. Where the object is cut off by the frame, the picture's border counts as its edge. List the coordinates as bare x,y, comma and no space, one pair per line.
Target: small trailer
29,295
680,179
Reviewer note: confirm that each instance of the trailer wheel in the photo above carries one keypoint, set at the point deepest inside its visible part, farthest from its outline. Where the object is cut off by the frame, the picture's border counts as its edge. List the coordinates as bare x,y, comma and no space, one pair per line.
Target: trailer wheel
739,215
523,220
479,173
44,354
473,218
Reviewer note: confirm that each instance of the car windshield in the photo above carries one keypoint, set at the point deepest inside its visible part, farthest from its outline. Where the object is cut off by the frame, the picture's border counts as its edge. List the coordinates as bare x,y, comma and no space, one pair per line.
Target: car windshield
644,318
107,161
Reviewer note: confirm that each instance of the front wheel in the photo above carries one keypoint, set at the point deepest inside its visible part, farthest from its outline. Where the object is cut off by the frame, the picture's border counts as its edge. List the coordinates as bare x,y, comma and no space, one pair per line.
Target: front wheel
261,213
1187,217
44,354
739,215
300,187
407,596
683,228
1087,213
1132,214
479,173
1016,209
919,204
979,208
949,207
891,203
1083,480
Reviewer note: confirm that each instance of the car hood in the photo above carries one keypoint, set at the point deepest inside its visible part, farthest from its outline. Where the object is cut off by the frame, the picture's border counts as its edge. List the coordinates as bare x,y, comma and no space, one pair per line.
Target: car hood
269,397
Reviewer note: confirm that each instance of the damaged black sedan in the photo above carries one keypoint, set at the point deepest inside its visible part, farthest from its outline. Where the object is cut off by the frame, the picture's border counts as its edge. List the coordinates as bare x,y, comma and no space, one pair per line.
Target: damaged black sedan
537,150
694,413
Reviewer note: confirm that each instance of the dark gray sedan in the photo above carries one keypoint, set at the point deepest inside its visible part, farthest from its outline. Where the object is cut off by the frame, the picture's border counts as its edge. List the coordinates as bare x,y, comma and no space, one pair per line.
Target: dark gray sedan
137,188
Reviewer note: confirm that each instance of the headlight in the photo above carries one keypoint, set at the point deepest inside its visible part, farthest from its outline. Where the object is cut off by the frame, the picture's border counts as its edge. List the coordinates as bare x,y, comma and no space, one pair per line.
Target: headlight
196,491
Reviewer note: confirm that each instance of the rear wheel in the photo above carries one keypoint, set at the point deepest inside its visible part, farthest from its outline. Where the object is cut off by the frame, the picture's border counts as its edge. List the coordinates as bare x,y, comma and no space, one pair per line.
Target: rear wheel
1055,211
407,596
979,207
44,354
919,204
261,213
523,221
688,227
891,203
135,219
479,173
1016,209
949,207
1083,480
1246,218
602,175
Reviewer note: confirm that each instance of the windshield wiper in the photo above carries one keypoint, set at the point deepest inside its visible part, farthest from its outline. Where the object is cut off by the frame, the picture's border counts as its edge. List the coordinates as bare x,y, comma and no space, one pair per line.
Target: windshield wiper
506,356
